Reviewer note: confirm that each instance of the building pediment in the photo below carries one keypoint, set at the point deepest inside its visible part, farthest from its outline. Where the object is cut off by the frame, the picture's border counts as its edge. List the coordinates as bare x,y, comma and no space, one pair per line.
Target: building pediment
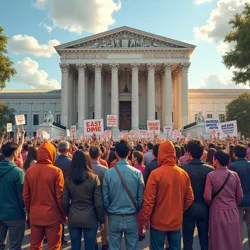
124,38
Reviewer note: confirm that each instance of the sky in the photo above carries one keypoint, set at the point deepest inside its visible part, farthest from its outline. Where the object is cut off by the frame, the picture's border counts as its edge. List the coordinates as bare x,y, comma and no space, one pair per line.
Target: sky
34,27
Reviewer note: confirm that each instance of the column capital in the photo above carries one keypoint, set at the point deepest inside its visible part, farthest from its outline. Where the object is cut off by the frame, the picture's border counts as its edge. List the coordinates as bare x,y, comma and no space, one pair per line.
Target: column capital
175,74
185,67
114,67
97,67
81,68
151,67
168,67
135,67
64,67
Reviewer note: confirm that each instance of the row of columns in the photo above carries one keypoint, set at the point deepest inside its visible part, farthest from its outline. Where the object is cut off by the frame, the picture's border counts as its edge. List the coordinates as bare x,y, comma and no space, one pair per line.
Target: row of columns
180,100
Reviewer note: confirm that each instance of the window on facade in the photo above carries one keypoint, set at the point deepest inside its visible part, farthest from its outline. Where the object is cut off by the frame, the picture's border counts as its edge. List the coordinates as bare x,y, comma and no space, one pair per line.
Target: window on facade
222,117
26,119
58,118
156,115
93,115
209,116
35,120
76,116
195,116
34,134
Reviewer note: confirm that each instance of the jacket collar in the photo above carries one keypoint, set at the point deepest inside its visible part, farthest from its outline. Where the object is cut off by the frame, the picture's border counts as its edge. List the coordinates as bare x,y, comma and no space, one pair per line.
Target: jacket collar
122,162
241,159
95,162
196,161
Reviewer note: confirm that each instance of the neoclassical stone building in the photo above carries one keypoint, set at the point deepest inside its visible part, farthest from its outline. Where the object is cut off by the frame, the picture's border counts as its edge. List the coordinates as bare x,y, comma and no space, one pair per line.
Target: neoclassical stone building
136,75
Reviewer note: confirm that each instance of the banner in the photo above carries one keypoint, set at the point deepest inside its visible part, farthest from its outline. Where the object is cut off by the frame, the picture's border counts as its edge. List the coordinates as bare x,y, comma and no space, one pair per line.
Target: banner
211,124
92,127
20,119
112,121
228,129
153,126
73,131
9,127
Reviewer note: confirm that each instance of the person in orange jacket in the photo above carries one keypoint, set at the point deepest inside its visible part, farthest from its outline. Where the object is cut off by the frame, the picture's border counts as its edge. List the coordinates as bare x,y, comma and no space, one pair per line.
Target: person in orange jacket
42,195
167,195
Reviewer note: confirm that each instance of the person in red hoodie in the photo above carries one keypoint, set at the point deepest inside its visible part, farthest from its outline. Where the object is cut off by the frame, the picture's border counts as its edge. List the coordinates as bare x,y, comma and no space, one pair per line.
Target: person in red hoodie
167,195
42,195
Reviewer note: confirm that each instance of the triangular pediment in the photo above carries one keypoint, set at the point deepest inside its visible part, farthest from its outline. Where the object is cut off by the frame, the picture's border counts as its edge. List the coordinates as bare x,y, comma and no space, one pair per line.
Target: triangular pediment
125,37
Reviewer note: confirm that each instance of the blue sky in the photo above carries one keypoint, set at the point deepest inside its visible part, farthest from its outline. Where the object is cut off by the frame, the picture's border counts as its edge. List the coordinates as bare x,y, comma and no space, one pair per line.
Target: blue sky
35,26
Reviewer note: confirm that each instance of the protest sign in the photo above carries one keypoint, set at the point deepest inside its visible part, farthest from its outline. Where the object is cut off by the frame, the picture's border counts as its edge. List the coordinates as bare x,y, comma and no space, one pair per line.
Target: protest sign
62,135
20,119
212,124
38,133
67,132
131,133
92,127
73,130
228,129
112,121
9,127
138,132
189,136
144,133
200,133
108,133
153,126
120,135
168,130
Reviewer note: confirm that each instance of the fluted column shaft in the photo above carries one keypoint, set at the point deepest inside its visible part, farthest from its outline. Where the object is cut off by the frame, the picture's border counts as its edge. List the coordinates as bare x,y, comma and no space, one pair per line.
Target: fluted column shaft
175,100
168,95
179,93
98,91
151,91
114,89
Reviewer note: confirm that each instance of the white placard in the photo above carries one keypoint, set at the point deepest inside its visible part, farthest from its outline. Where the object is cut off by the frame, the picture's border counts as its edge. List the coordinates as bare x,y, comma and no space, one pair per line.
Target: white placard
112,121
92,127
108,133
228,129
153,126
9,127
144,133
67,132
20,119
73,130
168,130
212,124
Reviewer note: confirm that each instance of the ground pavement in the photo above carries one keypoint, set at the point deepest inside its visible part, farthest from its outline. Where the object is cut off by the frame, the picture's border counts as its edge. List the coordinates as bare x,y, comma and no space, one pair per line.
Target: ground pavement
144,245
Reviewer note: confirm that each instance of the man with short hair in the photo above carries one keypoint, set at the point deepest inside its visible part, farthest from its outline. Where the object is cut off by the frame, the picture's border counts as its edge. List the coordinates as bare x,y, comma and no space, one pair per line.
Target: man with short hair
148,157
12,211
95,154
242,167
63,162
122,208
198,212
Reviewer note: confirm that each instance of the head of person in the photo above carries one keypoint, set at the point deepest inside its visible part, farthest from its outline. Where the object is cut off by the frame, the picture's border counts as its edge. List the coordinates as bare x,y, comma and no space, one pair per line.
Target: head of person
9,151
95,153
80,167
32,156
156,150
63,147
231,151
137,158
177,151
46,153
112,156
166,154
139,147
150,146
186,148
212,145
221,158
195,149
26,147
240,151
122,149
210,156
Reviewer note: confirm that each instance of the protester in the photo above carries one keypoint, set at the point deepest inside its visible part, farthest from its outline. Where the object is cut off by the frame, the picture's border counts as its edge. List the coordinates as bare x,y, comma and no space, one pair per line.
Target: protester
168,193
178,154
185,158
99,170
148,157
42,196
248,152
12,212
82,202
198,212
25,150
223,193
123,197
210,156
242,167
31,159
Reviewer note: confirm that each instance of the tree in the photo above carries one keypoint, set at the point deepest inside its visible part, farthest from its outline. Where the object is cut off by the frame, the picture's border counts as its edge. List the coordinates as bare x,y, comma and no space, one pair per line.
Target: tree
239,57
239,109
6,69
6,116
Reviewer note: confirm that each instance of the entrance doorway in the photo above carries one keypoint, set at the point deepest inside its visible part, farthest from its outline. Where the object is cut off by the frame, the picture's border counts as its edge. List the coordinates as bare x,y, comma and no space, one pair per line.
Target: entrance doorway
125,115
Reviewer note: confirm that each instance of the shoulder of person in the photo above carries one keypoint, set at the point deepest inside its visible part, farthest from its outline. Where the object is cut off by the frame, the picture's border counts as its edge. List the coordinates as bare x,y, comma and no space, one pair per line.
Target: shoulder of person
208,167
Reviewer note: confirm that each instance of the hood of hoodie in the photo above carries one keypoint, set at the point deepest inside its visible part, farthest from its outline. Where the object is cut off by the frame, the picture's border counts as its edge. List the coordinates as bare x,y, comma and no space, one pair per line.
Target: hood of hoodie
166,154
46,153
6,167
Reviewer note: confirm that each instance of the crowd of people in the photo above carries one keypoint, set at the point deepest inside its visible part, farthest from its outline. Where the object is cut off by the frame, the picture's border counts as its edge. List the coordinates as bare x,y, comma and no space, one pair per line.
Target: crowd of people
124,188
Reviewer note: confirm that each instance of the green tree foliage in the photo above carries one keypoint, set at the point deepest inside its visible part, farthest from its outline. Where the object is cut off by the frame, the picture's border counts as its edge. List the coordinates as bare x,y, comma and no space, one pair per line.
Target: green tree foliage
239,57
239,109
6,69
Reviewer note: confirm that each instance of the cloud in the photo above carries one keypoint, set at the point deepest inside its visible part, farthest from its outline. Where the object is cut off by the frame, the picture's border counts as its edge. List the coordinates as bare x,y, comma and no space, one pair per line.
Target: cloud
225,47
217,26
77,15
28,72
22,44
198,2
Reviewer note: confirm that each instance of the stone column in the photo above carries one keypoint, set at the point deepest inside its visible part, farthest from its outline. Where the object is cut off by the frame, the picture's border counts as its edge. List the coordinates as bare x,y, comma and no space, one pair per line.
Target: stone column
70,98
87,76
175,83
184,93
114,89
81,94
135,95
98,91
64,94
168,95
179,104
151,91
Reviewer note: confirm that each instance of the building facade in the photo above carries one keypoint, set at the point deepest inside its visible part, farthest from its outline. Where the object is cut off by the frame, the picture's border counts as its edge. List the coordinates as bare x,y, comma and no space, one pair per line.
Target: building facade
35,104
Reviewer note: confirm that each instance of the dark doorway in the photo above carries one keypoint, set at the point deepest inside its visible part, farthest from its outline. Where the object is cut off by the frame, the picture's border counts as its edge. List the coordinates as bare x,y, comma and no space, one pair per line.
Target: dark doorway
125,115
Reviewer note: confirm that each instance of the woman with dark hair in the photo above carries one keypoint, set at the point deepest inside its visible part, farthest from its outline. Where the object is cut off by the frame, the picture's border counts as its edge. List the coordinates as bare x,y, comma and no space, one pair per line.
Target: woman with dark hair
112,156
210,156
178,154
139,147
231,153
82,202
31,158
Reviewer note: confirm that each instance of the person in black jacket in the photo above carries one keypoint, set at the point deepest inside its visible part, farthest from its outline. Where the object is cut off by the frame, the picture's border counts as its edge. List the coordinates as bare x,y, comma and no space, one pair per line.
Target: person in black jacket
242,167
198,213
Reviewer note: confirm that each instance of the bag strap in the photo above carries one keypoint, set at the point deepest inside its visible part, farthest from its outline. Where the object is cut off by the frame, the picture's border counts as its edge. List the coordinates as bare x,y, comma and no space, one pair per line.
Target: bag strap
125,187
221,188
